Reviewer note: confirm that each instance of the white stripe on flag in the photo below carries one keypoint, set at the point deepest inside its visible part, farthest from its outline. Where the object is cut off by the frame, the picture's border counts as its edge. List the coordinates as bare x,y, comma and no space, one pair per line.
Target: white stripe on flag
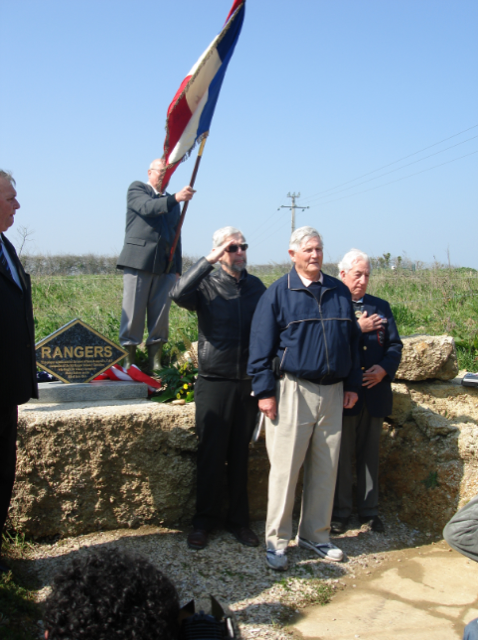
188,137
200,84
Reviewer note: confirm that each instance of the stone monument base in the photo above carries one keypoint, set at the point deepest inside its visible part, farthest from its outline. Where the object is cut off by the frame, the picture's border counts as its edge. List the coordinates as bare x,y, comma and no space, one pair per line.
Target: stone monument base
59,392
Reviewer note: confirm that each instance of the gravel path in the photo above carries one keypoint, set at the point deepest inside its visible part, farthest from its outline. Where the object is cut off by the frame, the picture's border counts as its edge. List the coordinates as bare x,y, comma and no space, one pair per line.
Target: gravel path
263,600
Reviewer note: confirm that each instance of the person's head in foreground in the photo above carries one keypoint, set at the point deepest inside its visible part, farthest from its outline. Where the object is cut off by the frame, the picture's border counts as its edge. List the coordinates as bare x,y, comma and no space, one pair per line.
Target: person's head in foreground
111,594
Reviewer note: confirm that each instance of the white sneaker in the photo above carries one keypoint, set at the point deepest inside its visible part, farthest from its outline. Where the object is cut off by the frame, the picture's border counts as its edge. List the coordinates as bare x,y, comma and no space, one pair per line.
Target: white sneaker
325,550
277,559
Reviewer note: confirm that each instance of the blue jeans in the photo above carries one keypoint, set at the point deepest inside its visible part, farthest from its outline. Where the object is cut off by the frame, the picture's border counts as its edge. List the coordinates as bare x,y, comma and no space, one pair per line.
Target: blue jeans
471,630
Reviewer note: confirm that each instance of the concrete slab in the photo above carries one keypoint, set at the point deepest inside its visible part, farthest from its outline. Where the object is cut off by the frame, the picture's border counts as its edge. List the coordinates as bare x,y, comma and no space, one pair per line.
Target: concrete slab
59,392
431,592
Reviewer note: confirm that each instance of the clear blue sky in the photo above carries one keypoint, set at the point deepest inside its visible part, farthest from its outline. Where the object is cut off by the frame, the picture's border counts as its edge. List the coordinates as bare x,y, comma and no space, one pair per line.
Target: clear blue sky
318,93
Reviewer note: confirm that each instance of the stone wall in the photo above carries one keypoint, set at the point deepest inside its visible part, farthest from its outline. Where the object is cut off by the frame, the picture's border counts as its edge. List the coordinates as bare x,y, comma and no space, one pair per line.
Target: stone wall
84,468
428,457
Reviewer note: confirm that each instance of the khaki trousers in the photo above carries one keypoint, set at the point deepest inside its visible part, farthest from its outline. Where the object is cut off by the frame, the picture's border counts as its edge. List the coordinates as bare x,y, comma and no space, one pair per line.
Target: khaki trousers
306,432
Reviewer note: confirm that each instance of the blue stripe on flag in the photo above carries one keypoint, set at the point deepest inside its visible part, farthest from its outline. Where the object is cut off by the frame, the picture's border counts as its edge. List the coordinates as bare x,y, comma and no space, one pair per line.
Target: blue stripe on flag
225,50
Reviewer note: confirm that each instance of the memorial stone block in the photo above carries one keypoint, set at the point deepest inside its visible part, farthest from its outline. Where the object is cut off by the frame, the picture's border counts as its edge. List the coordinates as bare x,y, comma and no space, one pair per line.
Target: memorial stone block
77,353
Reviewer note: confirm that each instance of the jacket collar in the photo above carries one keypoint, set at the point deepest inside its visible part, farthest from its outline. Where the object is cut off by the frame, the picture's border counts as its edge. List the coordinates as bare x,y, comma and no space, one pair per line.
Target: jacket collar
223,275
294,283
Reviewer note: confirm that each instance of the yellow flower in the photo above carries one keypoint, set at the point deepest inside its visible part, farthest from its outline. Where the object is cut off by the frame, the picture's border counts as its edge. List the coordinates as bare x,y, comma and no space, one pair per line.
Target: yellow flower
185,386
178,396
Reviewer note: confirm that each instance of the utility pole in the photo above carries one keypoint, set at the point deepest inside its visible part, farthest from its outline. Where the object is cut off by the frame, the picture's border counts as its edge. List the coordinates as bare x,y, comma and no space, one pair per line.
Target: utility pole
292,207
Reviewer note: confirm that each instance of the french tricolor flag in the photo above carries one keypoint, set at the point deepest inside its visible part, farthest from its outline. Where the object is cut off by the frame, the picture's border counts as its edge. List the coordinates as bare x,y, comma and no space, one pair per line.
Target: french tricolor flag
191,111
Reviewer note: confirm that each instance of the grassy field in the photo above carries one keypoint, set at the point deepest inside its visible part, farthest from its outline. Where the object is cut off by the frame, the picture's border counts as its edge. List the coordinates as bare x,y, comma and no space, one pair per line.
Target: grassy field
433,301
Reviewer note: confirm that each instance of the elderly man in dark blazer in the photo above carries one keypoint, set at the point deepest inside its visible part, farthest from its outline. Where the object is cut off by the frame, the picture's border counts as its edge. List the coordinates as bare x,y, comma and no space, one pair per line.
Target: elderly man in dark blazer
380,354
151,222
17,356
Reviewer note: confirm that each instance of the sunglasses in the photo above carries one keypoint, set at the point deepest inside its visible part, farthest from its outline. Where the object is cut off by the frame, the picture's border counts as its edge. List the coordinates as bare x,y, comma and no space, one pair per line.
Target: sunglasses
232,248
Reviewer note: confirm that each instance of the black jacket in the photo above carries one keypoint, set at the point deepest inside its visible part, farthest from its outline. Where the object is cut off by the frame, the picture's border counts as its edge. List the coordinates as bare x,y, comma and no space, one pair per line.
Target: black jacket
378,347
17,352
225,308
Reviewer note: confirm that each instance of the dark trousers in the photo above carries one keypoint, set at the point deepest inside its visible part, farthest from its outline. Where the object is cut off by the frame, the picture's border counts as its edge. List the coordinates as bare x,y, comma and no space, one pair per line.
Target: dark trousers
225,419
8,459
360,436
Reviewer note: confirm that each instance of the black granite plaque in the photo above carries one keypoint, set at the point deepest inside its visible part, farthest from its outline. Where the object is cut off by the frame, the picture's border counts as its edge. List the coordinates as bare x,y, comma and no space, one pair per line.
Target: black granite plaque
77,353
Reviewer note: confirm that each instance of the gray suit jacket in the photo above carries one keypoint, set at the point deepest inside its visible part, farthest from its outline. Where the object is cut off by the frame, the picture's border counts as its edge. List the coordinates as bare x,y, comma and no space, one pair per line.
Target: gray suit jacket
151,222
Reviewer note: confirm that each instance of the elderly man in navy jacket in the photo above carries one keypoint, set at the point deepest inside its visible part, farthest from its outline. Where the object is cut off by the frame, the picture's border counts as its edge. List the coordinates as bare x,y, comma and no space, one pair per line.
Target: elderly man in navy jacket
304,332
380,353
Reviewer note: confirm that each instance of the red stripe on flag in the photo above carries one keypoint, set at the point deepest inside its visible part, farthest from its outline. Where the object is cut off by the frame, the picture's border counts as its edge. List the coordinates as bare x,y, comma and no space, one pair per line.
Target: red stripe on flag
235,6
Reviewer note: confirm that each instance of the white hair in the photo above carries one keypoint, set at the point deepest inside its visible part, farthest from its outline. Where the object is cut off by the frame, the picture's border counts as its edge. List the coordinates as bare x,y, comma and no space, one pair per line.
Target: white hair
354,255
220,235
302,235
151,166
6,175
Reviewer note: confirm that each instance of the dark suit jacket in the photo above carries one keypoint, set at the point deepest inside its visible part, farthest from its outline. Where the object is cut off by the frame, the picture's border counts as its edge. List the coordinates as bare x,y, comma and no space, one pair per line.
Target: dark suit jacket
383,348
17,349
151,222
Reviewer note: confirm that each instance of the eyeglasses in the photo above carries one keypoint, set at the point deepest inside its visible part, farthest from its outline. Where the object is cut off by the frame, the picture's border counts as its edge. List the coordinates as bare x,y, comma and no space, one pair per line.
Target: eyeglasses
232,248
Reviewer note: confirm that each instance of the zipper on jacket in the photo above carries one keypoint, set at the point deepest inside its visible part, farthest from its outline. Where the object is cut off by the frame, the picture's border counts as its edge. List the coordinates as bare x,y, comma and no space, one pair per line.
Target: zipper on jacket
319,304
323,331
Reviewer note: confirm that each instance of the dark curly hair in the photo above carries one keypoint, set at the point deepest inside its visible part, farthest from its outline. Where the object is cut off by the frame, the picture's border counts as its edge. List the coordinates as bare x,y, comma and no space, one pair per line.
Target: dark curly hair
112,595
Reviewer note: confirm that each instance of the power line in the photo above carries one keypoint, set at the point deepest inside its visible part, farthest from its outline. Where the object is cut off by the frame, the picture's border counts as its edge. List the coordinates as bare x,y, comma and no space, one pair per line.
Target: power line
399,168
261,234
402,178
392,163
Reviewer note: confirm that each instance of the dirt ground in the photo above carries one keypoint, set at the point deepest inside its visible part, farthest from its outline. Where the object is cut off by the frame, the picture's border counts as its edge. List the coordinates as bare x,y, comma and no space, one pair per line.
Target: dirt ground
383,580
426,592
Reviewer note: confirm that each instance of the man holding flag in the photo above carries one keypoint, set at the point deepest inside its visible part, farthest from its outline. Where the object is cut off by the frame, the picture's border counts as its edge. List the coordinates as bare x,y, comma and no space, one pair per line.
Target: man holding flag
152,247
152,219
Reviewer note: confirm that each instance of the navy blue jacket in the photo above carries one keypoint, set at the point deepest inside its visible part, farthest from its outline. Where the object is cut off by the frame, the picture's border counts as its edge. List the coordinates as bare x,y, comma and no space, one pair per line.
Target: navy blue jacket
383,348
315,341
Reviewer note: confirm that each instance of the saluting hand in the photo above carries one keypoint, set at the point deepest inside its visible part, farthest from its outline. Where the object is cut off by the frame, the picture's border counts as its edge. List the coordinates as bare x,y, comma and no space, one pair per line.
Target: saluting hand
218,252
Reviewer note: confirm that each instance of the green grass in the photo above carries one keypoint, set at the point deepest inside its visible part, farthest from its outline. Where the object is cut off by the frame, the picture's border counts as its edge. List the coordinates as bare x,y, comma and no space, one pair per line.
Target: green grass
19,612
433,301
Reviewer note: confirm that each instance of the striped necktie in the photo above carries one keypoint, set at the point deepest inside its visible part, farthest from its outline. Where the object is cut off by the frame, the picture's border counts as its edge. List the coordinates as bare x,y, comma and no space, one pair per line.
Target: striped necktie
4,261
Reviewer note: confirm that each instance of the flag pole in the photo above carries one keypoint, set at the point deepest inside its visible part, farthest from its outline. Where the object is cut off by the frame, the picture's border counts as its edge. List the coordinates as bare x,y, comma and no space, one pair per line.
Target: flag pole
185,206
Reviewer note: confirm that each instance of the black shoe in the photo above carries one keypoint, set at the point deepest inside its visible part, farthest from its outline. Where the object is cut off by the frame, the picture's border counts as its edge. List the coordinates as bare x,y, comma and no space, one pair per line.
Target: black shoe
245,536
373,522
197,539
339,525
